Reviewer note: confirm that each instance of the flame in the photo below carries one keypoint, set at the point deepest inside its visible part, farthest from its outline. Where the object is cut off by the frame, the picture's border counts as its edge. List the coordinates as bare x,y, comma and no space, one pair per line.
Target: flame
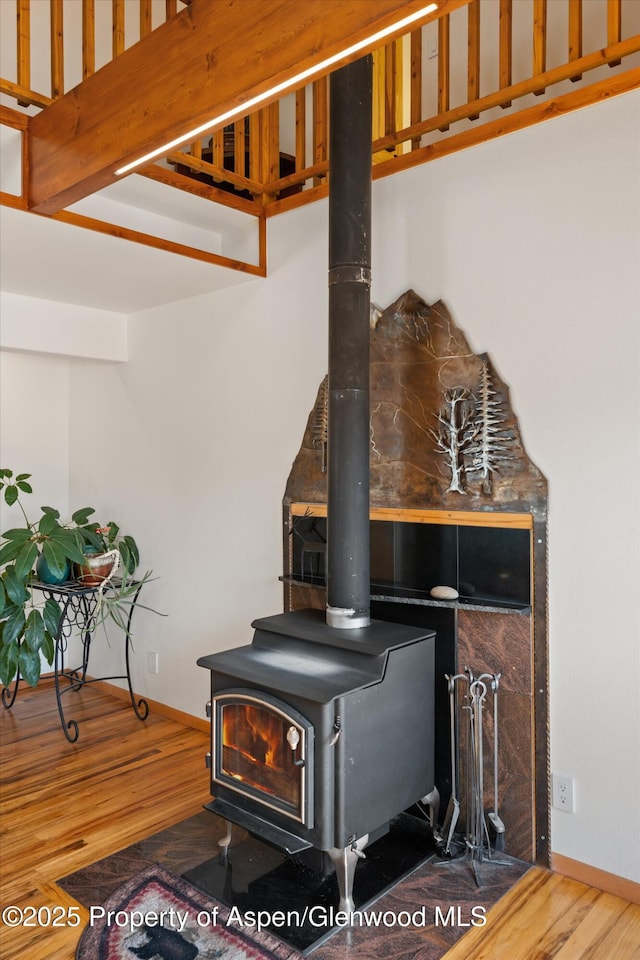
256,752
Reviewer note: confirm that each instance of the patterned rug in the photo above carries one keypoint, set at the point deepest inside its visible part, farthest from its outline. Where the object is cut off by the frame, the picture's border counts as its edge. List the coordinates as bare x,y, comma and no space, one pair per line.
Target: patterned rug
157,916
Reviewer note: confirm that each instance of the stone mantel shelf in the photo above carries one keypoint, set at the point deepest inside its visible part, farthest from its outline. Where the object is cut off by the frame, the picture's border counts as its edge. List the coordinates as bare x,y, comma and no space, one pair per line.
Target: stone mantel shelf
423,601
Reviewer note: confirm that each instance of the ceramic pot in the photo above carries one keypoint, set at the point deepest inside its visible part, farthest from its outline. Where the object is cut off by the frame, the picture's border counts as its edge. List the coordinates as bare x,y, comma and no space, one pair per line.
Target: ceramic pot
45,574
98,567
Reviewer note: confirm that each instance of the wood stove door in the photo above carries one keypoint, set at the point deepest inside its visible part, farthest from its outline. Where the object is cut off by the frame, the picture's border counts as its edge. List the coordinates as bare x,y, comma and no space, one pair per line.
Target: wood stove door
263,749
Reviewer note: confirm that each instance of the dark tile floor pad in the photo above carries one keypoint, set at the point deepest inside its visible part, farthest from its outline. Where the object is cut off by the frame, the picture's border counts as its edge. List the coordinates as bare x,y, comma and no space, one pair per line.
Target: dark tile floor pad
420,905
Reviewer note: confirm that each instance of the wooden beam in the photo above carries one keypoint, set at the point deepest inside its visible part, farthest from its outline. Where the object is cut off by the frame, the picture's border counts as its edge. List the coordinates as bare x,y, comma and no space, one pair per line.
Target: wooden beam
212,57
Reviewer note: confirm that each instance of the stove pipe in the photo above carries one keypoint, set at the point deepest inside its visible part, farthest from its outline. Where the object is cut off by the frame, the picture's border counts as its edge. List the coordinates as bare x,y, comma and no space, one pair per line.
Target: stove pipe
348,561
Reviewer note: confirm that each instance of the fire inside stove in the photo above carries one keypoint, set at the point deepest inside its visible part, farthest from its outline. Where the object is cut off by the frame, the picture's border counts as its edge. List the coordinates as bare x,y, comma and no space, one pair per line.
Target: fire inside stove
262,750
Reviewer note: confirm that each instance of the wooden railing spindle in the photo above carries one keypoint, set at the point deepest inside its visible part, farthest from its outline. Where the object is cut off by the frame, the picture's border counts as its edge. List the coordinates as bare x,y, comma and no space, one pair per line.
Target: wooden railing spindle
320,123
217,147
270,146
301,129
539,39
390,88
145,17
415,92
614,25
444,65
575,33
505,47
255,140
239,148
57,49
23,52
88,38
170,8
117,39
473,54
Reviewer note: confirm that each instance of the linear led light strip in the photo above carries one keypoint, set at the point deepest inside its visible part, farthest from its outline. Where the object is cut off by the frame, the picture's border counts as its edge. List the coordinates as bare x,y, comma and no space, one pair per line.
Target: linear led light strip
299,78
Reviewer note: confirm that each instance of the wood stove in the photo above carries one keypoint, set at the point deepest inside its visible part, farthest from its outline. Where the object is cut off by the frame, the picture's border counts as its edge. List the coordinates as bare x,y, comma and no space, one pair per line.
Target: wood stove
321,736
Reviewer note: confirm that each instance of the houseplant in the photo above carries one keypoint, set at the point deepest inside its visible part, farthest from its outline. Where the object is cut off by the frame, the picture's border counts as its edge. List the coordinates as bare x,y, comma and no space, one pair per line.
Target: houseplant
47,549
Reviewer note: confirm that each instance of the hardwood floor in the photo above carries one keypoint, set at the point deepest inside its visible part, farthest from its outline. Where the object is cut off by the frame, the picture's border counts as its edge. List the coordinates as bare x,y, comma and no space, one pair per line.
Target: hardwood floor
64,806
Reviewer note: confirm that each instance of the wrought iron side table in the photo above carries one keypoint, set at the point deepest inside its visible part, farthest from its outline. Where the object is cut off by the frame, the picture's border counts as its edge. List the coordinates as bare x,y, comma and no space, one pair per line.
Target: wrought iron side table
79,606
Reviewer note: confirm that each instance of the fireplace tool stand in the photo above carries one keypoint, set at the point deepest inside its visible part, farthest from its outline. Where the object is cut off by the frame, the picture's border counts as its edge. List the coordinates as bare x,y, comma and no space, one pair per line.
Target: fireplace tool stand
476,847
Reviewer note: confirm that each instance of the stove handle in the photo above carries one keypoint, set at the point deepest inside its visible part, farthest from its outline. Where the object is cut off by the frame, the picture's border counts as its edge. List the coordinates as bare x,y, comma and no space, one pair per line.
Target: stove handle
293,739
337,726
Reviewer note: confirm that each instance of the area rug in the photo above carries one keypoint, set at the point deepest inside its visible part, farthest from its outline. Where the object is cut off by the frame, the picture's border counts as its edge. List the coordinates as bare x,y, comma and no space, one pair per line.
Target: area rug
157,916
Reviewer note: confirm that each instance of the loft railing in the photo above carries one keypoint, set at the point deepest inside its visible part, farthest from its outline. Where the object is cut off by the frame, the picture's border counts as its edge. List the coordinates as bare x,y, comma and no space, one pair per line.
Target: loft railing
485,69
70,41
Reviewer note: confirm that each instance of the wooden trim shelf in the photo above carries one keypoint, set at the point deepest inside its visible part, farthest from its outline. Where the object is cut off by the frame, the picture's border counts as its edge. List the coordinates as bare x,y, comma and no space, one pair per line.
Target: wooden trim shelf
462,518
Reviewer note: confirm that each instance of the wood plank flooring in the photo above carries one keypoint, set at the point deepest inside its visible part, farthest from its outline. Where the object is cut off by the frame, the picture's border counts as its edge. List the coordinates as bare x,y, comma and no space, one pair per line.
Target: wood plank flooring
64,806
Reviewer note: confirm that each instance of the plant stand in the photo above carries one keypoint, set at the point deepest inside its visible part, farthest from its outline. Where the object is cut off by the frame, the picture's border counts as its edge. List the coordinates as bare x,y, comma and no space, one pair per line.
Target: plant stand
79,606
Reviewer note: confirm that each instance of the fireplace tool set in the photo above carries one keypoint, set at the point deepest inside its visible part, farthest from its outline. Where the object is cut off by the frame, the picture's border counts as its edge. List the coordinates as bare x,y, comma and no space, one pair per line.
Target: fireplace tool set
478,844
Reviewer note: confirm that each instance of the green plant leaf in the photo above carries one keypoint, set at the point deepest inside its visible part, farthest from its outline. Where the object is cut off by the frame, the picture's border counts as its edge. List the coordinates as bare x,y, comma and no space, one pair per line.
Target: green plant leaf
23,485
133,550
5,472
16,589
11,494
29,665
55,556
3,597
14,625
82,515
34,631
48,647
71,543
92,539
114,530
51,614
8,662
48,523
125,556
10,551
17,535
25,560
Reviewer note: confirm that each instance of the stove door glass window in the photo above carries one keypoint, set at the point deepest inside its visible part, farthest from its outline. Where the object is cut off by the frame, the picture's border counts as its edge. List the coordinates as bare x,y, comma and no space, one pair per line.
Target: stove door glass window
262,750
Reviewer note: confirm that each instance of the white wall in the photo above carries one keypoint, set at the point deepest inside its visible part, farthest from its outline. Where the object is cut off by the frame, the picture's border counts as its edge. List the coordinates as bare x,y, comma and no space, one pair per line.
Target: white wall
34,430
533,243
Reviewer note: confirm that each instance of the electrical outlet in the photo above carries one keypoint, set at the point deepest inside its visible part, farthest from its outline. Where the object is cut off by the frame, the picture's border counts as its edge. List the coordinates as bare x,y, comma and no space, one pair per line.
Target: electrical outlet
432,47
152,661
563,797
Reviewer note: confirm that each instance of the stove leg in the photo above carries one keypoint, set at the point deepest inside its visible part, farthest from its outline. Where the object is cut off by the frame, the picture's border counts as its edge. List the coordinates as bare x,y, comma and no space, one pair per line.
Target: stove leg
432,802
345,861
225,842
